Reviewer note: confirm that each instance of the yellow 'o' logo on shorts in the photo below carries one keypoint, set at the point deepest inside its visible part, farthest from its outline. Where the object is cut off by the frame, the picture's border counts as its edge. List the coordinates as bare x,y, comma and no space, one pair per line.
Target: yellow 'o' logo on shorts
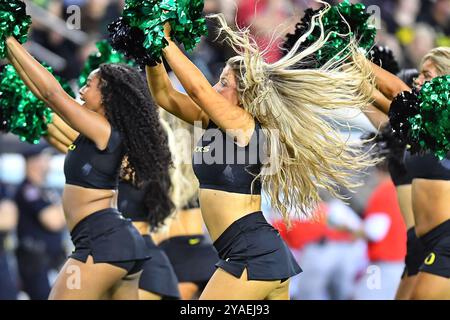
72,147
194,241
430,259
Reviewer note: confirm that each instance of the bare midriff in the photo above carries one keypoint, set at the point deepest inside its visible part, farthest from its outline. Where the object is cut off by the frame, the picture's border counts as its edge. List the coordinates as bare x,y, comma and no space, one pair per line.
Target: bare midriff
79,202
143,227
430,199
404,197
186,223
220,209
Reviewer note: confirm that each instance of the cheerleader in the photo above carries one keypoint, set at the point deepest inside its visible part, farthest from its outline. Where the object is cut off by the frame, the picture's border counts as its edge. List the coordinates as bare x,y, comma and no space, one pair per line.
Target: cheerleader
116,113
254,108
158,280
184,241
430,196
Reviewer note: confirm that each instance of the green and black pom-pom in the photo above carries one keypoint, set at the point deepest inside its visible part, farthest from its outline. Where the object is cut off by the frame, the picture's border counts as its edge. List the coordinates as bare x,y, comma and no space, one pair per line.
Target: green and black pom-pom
105,54
422,119
336,22
139,33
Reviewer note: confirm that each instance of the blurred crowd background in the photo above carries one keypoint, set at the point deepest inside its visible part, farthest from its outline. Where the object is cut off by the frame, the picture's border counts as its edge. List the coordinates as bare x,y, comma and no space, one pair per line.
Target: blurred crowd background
335,250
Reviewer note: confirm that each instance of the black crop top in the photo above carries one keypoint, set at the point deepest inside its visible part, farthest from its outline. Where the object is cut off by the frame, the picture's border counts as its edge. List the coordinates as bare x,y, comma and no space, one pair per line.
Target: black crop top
87,166
130,202
220,164
428,166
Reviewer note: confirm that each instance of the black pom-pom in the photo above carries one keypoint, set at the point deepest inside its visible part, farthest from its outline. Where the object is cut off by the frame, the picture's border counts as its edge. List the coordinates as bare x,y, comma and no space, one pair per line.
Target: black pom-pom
4,126
384,58
403,107
388,143
3,121
130,41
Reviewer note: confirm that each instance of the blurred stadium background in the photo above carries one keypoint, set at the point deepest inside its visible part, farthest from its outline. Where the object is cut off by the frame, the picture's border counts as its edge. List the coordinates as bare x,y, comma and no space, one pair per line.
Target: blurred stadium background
409,27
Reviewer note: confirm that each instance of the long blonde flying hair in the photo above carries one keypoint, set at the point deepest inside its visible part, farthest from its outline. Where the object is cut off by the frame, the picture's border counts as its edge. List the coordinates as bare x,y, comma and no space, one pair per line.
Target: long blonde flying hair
310,152
185,184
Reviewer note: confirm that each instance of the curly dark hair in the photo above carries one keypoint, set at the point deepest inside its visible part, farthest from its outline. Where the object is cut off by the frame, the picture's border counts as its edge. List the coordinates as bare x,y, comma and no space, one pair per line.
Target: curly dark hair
130,109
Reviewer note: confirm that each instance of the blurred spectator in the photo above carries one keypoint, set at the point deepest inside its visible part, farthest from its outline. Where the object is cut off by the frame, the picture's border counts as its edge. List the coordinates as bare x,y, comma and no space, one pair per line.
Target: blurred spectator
53,41
96,15
404,15
8,222
264,17
409,28
423,40
415,25
41,223
385,231
212,52
331,264
330,258
437,14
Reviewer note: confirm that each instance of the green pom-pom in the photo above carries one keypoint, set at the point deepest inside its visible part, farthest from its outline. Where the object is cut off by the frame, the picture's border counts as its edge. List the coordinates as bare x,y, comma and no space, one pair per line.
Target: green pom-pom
190,25
26,116
105,54
185,18
357,19
336,22
14,21
431,127
23,113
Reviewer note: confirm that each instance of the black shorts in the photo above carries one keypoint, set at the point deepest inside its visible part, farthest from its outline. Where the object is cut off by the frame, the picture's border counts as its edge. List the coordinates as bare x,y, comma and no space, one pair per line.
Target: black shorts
437,245
158,275
415,254
109,238
252,243
193,258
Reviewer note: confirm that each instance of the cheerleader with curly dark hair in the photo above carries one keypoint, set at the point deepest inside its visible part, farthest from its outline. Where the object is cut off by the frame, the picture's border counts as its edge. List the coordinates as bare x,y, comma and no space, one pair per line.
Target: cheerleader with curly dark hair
116,119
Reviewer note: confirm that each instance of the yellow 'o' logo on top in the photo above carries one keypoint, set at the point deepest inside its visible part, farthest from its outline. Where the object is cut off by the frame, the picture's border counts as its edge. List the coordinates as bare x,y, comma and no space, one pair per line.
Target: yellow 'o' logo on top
430,259
72,147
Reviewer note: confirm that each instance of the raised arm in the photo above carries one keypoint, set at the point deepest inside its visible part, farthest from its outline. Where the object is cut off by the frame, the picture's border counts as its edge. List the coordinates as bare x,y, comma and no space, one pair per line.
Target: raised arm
173,101
375,116
44,85
381,102
55,143
389,84
224,113
64,128
57,135
60,135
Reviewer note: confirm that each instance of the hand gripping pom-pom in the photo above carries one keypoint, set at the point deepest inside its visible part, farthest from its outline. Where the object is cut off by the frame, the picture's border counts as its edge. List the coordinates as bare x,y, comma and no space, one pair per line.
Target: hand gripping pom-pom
14,21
